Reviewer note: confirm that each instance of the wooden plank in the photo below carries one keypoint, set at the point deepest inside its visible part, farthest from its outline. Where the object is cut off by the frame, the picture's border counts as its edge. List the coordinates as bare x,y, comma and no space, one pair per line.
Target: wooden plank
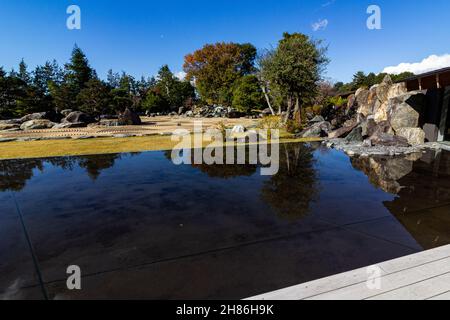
353,284
389,282
416,259
419,291
444,296
316,287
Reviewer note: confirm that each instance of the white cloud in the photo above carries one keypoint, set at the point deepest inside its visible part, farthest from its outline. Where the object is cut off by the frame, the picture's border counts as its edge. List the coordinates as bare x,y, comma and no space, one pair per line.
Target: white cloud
180,75
327,4
320,25
431,63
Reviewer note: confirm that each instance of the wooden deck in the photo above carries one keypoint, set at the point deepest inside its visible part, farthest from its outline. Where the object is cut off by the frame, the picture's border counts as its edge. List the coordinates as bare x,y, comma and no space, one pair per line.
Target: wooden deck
422,276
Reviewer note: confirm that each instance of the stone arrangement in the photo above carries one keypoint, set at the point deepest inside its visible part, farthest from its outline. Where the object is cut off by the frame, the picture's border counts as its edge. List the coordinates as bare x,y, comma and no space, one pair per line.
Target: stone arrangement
67,119
385,115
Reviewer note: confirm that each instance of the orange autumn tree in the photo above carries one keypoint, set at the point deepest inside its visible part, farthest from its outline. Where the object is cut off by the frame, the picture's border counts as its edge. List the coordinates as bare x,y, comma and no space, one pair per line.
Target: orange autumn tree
216,67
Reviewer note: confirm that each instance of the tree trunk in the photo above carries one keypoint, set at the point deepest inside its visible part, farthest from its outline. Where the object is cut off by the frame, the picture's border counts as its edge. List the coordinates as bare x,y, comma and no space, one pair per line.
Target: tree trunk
288,111
267,99
297,111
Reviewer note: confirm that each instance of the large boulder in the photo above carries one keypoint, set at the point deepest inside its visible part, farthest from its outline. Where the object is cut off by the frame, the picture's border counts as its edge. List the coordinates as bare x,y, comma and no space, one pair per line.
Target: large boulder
78,117
51,115
404,108
362,96
415,136
381,113
396,90
37,124
33,116
351,101
403,111
388,140
355,135
373,102
342,132
129,118
66,112
8,126
317,130
383,88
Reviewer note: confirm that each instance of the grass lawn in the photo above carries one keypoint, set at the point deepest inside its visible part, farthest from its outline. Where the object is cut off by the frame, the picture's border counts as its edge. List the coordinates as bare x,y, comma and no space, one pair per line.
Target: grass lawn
73,147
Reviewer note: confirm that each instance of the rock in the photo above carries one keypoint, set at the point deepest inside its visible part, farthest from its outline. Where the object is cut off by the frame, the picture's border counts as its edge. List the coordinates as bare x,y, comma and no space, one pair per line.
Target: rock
7,126
351,101
8,139
396,90
382,127
362,96
383,88
342,132
68,125
108,122
411,103
317,130
373,102
388,140
129,117
189,113
384,172
11,121
66,112
33,116
403,116
48,115
77,117
238,129
415,136
317,119
381,112
355,135
37,124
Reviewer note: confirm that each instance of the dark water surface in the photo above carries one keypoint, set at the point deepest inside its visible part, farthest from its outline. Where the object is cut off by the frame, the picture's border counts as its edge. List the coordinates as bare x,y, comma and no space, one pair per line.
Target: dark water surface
140,227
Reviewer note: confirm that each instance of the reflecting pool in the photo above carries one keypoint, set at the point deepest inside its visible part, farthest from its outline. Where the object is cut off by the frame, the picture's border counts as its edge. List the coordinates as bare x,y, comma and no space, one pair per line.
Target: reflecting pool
139,226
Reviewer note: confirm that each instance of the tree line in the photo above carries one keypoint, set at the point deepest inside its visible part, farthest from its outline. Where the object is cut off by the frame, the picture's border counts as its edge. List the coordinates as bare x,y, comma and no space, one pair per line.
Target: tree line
361,79
77,86
284,80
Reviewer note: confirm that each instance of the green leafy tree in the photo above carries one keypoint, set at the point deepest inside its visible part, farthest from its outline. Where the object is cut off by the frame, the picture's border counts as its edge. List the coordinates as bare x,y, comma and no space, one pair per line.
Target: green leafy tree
78,71
155,102
216,67
95,98
247,94
296,67
24,75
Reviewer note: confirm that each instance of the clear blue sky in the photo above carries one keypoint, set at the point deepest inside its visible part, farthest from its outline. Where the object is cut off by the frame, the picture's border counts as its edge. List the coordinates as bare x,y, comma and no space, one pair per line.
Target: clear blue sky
139,36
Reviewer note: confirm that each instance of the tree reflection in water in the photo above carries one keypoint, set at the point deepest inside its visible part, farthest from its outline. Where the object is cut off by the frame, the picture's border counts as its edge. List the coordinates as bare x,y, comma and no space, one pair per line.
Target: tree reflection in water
291,191
14,174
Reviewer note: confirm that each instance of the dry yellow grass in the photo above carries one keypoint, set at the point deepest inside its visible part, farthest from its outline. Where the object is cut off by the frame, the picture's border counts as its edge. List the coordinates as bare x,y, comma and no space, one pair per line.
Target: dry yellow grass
73,147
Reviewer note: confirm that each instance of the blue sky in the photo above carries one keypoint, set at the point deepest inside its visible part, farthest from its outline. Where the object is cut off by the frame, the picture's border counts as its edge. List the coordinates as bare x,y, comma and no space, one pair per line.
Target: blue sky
139,36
